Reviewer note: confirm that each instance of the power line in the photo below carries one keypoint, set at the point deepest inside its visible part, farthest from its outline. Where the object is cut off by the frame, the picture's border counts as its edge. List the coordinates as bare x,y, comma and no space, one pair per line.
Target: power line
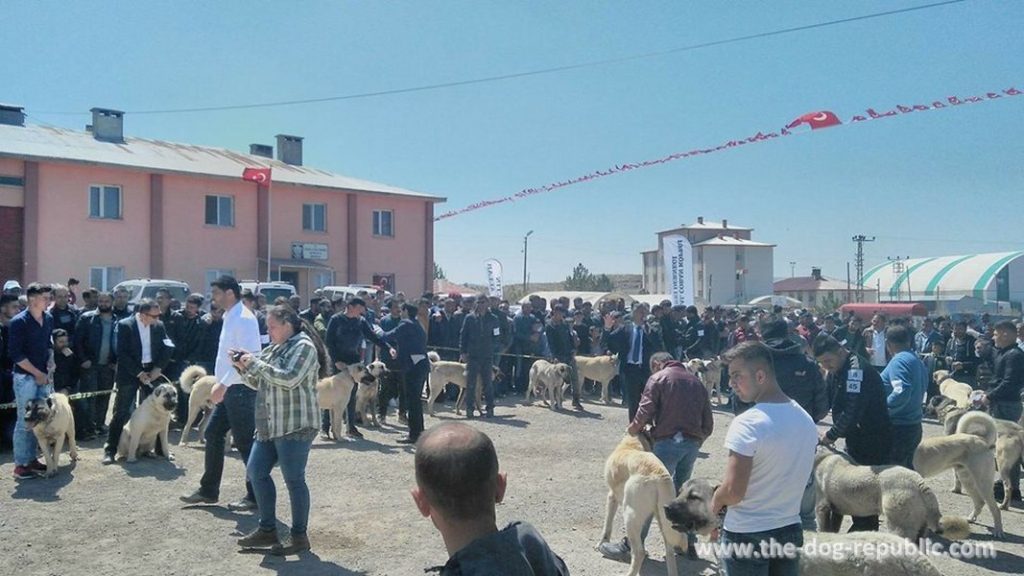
552,70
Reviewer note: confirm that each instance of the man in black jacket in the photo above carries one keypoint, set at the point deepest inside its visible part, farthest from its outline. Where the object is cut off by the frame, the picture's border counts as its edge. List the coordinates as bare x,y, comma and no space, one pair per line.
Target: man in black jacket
634,345
410,352
96,348
187,346
960,349
859,410
1004,397
143,350
481,333
562,343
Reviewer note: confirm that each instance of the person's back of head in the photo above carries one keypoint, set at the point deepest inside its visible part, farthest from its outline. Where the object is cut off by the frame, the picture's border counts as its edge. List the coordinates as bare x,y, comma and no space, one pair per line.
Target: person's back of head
457,474
899,338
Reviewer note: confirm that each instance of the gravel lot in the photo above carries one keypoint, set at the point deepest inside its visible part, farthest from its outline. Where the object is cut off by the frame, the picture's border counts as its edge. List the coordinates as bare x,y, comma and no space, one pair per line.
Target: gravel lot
126,519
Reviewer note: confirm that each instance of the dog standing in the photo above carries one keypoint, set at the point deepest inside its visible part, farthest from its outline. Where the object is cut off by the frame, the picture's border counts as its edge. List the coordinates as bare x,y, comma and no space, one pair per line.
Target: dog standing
367,392
52,421
444,372
710,374
641,484
148,425
333,393
199,386
600,369
958,391
549,379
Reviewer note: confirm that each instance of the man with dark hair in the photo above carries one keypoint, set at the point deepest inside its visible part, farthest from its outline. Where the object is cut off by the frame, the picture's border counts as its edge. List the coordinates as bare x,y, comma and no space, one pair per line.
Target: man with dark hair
410,350
458,483
143,350
391,386
859,411
72,286
1004,396
234,403
346,332
562,343
29,347
906,382
251,301
64,315
188,346
481,333
771,455
960,349
65,368
89,299
96,346
874,342
121,310
634,345
9,308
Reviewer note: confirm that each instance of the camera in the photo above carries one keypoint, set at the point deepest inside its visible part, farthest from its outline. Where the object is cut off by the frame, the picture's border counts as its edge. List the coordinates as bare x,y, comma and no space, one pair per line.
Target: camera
236,355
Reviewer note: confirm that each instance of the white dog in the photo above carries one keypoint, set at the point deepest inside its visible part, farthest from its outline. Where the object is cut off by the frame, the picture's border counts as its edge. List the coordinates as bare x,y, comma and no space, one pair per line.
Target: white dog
710,374
366,394
550,380
958,391
199,386
600,369
444,372
333,393
148,425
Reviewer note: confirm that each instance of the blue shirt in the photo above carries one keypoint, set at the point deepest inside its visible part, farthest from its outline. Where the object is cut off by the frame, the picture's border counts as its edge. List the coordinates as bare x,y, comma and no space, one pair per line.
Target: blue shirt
28,339
905,380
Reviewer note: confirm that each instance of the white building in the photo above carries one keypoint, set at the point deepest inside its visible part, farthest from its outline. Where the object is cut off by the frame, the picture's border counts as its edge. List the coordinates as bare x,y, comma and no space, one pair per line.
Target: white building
728,266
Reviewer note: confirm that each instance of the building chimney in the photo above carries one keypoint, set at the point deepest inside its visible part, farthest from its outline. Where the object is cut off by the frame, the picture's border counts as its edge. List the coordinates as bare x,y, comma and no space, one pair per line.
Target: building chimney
700,219
108,125
264,150
12,115
725,223
289,149
816,273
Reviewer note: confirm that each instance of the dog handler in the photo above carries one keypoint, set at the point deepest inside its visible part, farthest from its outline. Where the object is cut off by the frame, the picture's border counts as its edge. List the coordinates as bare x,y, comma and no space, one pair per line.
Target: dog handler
284,376
29,347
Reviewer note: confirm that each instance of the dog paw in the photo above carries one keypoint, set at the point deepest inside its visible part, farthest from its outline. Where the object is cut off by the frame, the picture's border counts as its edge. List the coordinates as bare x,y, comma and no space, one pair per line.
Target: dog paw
170,457
74,458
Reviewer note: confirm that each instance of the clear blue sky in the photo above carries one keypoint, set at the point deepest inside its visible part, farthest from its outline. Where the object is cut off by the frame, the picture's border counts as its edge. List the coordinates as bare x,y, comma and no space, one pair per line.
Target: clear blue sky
933,183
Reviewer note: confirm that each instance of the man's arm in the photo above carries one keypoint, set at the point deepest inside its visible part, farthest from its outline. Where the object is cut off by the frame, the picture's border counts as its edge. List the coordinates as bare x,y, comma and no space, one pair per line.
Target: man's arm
734,485
897,385
367,329
331,337
1008,387
707,417
820,401
649,401
467,333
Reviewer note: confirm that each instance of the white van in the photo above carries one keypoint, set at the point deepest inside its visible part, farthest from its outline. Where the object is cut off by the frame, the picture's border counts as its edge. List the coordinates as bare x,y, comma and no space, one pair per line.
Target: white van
270,290
139,288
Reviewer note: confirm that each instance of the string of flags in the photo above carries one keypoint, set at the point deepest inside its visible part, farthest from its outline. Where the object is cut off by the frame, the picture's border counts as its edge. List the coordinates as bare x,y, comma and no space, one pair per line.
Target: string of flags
815,120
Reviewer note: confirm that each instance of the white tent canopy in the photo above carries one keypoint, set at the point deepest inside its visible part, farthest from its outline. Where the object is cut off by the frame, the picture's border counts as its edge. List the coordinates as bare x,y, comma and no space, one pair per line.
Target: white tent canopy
769,300
594,298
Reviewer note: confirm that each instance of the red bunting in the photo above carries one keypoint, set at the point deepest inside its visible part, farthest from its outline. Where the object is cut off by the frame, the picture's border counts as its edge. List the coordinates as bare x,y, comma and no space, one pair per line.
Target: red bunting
816,120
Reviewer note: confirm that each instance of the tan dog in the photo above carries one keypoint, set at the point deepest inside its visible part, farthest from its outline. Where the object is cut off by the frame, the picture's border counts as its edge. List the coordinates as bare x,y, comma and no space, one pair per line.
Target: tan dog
958,391
333,393
910,507
366,394
445,372
1009,451
52,421
973,460
199,386
641,484
691,511
550,380
148,425
600,369
710,374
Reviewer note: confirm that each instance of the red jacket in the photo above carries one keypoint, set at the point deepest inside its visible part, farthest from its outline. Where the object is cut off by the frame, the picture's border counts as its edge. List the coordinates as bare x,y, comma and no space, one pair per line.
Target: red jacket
675,401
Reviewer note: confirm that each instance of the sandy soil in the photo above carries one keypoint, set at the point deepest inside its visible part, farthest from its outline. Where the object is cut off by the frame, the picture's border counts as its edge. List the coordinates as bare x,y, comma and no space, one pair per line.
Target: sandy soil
126,519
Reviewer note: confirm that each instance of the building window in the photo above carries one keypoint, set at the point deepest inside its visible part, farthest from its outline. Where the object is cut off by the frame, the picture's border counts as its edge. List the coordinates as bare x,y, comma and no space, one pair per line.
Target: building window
314,217
11,180
323,278
220,210
213,273
105,277
383,223
105,202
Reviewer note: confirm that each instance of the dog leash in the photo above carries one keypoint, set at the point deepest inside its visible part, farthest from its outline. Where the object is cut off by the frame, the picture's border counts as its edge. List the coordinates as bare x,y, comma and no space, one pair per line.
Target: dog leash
84,395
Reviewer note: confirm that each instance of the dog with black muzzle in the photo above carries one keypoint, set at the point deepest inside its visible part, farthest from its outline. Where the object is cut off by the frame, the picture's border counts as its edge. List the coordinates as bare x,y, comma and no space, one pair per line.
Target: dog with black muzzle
52,421
148,425
333,393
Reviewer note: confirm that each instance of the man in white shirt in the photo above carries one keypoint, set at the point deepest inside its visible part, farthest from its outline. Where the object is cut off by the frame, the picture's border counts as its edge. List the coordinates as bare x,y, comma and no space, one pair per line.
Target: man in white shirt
771,455
235,408
874,342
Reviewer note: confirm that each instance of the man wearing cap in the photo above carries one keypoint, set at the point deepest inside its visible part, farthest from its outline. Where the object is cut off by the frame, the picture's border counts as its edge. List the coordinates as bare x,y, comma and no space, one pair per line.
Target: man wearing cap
13,288
346,335
481,333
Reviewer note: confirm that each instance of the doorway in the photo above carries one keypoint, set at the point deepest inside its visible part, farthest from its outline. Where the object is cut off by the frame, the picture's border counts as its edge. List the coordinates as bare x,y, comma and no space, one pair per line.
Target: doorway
291,277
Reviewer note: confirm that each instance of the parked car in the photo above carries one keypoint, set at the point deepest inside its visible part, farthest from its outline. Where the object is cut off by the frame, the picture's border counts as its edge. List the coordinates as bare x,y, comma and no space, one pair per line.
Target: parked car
271,290
348,292
139,288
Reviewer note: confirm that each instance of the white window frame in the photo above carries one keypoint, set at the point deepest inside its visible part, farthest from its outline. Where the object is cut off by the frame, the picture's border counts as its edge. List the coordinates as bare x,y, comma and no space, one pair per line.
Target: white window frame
101,208
378,223
109,277
312,207
219,223
212,274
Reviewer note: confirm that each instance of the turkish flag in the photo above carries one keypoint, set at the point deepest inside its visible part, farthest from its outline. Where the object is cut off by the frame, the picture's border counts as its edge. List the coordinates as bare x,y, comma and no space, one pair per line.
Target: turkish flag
821,119
260,176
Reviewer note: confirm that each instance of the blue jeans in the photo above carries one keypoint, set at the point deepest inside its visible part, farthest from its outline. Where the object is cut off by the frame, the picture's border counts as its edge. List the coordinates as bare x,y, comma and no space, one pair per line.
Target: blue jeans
292,456
765,562
679,458
237,413
25,444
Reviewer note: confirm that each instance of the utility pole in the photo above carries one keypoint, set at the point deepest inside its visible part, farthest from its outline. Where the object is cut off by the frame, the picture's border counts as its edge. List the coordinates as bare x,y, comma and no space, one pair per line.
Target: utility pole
792,269
860,239
526,245
898,267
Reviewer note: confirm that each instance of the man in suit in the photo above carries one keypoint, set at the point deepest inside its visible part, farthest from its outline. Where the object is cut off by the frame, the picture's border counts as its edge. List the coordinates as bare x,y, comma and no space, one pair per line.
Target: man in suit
143,350
633,344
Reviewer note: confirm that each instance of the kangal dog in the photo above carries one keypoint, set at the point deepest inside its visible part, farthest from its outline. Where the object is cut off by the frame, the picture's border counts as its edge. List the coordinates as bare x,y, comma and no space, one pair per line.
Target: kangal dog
600,369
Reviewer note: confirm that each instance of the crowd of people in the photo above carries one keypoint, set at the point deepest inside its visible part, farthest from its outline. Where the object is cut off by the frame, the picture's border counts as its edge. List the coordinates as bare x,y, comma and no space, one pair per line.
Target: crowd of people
779,370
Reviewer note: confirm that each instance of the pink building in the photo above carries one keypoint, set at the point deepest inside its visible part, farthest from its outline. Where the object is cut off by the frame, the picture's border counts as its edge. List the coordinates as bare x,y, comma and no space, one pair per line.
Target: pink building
101,207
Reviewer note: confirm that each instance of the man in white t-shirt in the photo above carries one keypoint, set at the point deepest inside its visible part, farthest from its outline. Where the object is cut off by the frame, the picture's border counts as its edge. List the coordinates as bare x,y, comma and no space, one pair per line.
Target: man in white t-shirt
771,455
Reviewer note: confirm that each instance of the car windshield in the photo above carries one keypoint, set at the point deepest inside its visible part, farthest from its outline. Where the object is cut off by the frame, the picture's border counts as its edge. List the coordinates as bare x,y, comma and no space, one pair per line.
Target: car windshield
179,293
272,294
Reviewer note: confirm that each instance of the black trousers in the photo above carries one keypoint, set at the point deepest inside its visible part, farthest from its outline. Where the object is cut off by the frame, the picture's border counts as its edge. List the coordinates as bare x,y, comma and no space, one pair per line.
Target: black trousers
873,450
124,404
635,377
412,384
237,413
391,386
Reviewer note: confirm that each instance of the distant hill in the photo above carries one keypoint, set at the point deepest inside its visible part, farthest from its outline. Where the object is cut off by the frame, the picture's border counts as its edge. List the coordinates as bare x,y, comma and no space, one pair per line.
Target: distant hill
626,283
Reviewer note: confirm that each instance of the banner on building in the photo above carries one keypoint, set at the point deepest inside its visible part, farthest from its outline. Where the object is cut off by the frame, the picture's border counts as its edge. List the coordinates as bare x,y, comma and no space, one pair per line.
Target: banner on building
494,287
678,269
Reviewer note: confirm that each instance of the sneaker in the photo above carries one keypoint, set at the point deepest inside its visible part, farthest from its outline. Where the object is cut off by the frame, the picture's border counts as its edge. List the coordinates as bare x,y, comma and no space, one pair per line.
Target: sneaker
197,497
295,544
37,466
618,551
243,505
108,459
260,538
407,440
354,433
24,473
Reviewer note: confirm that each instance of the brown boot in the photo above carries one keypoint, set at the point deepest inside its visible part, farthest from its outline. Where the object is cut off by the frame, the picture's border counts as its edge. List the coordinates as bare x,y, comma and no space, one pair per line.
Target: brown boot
295,544
260,538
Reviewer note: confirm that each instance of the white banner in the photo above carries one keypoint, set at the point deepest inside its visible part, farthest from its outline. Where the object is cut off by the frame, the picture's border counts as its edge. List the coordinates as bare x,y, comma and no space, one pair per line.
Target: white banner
678,269
494,278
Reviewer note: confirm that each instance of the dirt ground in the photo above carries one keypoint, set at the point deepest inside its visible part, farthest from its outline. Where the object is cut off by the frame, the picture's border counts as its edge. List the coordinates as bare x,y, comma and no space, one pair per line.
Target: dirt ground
126,519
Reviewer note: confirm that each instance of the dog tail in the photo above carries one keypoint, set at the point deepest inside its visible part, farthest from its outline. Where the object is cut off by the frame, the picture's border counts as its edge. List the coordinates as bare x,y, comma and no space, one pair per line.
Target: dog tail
433,357
979,424
954,528
190,376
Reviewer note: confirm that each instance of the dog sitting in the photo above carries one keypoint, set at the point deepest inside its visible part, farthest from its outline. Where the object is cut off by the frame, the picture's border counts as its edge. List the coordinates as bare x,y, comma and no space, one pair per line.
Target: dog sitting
910,507
600,369
333,393
148,425
549,380
641,484
691,511
52,421
444,372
